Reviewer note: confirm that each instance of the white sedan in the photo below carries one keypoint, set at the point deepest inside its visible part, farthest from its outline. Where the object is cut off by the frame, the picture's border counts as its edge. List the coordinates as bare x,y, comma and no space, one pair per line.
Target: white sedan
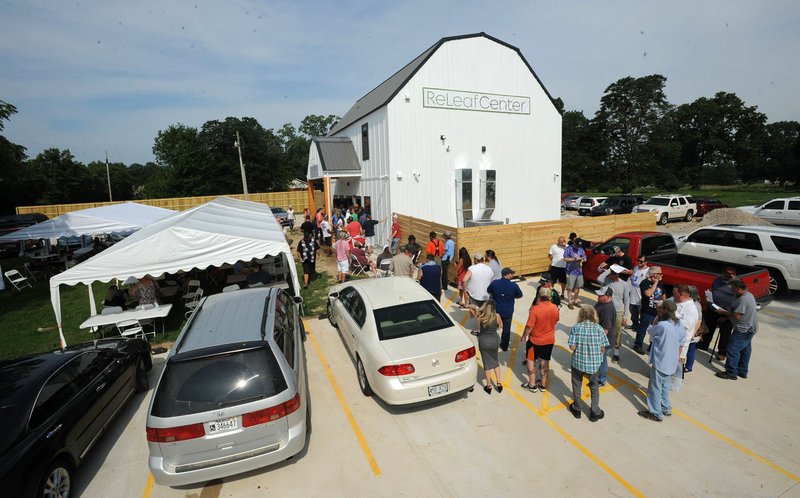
405,347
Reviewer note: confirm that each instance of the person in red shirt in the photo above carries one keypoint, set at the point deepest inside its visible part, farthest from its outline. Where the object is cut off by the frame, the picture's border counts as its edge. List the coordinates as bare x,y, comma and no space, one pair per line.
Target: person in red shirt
354,229
540,332
394,236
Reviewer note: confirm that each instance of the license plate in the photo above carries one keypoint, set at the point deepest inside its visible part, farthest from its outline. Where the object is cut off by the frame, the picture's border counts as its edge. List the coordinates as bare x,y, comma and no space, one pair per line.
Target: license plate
438,389
223,425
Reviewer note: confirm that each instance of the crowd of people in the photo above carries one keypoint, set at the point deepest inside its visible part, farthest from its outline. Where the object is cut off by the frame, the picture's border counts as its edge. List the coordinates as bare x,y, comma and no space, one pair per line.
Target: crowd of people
632,296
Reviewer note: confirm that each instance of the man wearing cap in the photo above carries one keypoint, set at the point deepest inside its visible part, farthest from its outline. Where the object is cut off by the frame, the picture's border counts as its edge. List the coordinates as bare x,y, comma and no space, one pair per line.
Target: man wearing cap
723,296
639,274
619,258
394,235
504,292
745,325
447,258
575,257
606,318
665,336
652,295
621,301
403,264
476,282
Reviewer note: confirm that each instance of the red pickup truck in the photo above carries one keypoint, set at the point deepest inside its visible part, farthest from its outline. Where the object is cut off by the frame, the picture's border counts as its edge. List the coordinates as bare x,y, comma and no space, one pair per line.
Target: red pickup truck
661,250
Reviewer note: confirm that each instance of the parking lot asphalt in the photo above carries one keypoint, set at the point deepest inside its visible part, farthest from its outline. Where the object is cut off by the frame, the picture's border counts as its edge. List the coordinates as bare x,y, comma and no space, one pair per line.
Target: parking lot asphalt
731,438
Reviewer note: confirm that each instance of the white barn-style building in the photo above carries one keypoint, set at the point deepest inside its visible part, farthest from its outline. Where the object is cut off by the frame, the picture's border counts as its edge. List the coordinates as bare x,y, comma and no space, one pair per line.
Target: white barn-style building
465,134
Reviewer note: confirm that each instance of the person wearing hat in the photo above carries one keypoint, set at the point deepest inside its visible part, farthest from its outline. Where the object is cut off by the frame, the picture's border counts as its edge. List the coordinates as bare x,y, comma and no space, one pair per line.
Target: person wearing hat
665,336
606,318
575,257
476,282
504,292
652,291
394,235
618,257
447,258
621,301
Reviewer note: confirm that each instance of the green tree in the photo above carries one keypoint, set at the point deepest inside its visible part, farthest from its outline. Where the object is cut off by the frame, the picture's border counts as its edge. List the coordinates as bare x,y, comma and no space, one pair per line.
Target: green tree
185,157
579,164
630,111
15,184
60,178
315,125
782,151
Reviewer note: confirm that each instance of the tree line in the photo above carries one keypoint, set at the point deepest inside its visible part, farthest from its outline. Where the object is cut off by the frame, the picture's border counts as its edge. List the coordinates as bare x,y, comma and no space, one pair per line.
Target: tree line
637,139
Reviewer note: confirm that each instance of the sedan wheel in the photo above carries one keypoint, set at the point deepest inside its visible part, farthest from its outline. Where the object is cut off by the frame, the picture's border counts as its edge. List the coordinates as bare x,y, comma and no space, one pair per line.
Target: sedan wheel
56,482
363,383
664,219
330,316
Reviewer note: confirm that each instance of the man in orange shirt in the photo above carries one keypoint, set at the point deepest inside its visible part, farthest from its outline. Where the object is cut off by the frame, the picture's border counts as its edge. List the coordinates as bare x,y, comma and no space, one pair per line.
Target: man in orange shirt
435,247
540,333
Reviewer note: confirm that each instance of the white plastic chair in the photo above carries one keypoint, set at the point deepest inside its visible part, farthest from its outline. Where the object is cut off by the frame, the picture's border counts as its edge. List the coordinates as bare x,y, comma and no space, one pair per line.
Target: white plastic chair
231,288
385,268
110,310
130,328
17,280
191,290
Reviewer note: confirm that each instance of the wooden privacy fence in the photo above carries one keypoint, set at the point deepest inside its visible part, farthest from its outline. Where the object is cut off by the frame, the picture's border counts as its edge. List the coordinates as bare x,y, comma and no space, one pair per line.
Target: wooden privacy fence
298,199
524,246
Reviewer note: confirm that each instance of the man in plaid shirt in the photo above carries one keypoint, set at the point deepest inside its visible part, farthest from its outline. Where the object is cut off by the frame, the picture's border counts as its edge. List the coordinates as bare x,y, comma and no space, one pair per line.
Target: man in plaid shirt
588,343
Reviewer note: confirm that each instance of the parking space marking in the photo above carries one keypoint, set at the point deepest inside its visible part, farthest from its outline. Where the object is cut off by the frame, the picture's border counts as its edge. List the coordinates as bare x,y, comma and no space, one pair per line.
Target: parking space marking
345,407
148,488
561,431
716,433
778,313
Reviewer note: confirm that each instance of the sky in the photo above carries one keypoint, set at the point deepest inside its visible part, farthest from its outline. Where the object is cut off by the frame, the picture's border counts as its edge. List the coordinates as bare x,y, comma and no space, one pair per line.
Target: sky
96,76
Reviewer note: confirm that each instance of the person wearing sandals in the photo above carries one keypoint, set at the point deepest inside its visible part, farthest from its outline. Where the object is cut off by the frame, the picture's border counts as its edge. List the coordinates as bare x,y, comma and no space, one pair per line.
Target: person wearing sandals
588,343
541,331
489,342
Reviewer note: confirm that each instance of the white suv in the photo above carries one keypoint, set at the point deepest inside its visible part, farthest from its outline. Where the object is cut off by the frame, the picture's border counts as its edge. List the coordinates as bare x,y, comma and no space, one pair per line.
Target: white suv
669,207
784,211
773,248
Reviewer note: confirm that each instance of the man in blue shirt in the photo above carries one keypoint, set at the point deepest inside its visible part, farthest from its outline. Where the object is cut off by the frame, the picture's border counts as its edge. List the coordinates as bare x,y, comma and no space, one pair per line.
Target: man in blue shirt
447,258
665,337
430,277
504,292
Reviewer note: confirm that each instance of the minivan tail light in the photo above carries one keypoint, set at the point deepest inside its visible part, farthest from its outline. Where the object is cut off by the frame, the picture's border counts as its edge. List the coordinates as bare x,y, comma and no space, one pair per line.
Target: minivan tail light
272,413
390,370
465,355
174,434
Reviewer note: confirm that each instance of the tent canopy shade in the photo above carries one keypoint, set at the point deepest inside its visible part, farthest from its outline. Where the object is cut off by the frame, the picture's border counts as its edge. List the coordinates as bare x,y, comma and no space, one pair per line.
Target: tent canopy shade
116,218
222,231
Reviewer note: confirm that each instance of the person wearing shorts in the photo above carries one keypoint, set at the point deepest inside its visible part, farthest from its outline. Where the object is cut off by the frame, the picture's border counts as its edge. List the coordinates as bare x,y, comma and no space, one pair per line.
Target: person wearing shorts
540,331
342,249
558,270
574,256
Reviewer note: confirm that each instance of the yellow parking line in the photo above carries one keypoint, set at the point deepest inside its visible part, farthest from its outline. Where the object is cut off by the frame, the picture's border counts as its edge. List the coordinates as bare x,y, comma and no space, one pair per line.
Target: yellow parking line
594,458
350,418
778,313
717,434
585,396
148,488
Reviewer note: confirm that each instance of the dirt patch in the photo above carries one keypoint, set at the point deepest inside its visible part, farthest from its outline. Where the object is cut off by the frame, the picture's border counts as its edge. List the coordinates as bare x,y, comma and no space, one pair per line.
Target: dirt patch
732,216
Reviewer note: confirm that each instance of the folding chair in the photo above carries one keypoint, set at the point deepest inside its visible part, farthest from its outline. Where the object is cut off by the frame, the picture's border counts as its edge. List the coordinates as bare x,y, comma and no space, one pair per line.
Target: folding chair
130,328
191,290
17,280
231,288
192,305
31,272
357,268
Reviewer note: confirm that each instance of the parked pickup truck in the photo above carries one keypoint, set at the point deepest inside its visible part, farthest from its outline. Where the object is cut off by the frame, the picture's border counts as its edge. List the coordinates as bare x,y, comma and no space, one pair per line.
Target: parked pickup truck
661,250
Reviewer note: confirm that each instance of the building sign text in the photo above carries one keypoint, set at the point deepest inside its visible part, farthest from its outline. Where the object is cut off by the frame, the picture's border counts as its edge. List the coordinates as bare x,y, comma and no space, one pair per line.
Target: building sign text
475,101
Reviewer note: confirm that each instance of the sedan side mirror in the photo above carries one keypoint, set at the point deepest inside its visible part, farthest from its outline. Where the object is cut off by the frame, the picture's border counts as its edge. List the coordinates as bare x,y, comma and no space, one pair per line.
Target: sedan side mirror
334,295
298,299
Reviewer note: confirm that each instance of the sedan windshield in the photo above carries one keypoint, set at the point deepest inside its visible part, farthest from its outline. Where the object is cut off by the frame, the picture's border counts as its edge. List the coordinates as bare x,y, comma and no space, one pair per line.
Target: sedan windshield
410,319
657,201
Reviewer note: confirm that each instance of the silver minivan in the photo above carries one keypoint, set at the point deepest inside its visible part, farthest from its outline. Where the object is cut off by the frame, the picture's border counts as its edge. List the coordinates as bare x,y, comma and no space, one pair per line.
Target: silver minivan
233,395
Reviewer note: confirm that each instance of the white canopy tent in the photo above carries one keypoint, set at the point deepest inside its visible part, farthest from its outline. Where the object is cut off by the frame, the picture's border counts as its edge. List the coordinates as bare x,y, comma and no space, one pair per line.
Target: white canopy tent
222,231
115,218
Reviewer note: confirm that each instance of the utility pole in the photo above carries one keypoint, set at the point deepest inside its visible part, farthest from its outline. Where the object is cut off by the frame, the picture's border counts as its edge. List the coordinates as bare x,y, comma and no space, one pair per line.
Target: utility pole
238,145
108,177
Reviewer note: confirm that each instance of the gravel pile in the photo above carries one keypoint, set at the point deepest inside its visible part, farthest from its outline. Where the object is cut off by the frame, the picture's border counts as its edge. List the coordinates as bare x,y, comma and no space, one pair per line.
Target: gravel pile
732,216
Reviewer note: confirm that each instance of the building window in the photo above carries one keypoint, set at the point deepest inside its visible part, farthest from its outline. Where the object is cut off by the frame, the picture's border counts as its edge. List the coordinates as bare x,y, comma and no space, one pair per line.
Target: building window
487,195
463,196
365,141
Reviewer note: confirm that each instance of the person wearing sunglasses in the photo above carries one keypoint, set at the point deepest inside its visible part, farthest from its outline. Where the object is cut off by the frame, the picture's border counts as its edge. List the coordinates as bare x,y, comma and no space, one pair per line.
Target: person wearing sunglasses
652,296
640,272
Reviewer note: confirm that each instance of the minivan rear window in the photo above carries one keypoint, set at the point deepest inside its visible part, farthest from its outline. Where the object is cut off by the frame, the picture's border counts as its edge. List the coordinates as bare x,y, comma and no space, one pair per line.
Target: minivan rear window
214,382
410,319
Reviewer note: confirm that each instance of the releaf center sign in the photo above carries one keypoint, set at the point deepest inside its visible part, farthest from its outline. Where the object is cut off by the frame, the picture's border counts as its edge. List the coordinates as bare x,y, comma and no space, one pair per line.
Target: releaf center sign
440,98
